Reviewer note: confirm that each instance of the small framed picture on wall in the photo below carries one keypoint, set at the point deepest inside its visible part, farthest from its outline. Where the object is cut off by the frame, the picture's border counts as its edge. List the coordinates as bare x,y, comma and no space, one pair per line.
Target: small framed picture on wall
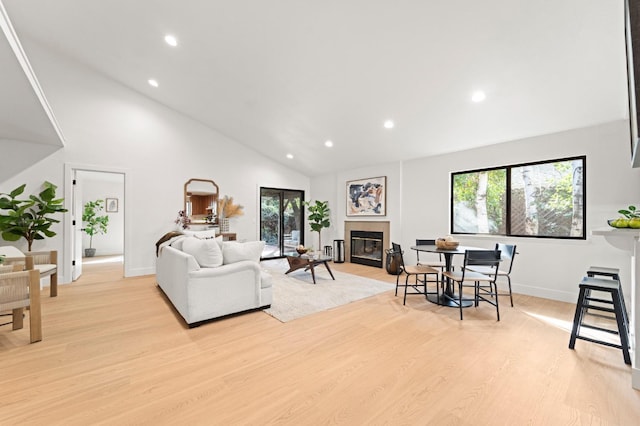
111,205
367,197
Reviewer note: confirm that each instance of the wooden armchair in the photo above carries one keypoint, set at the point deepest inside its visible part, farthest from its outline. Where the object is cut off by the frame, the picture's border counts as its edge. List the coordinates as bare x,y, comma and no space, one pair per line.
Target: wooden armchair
19,290
45,262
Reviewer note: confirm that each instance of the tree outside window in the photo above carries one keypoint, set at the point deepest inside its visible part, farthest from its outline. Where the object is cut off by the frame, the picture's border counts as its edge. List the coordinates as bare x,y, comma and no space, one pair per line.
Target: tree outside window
543,199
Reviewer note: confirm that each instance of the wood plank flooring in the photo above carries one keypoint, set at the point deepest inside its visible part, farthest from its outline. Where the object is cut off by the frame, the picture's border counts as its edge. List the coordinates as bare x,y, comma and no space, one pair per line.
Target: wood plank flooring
115,353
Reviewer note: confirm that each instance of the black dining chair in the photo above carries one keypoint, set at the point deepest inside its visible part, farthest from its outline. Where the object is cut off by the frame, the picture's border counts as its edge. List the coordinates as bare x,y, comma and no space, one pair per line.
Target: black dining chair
419,272
487,292
508,253
438,264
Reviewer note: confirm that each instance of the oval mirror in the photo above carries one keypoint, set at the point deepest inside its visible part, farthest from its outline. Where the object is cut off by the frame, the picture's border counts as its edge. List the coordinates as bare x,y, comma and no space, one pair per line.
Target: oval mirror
201,200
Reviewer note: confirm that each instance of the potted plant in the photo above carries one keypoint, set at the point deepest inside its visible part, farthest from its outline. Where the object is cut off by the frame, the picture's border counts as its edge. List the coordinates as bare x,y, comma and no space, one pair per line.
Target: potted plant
29,219
226,210
93,224
318,217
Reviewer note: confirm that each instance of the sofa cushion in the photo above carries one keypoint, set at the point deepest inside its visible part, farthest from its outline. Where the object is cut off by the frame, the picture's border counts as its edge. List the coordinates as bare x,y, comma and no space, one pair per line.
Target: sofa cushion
206,251
234,251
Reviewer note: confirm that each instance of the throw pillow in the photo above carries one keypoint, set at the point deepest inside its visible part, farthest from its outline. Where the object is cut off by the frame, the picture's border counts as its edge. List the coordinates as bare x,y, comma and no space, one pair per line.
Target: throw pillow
233,251
206,252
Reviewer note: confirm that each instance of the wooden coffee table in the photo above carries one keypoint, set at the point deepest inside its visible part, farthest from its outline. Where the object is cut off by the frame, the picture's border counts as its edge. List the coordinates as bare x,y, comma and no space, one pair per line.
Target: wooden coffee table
308,262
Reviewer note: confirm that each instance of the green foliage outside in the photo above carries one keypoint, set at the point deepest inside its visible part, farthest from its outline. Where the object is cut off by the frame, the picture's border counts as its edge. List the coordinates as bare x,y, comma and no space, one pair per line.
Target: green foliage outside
270,217
31,218
92,223
465,189
552,198
554,201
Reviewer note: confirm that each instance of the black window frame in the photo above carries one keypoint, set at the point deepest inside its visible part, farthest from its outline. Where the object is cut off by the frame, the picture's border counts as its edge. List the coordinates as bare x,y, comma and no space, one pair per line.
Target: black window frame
508,192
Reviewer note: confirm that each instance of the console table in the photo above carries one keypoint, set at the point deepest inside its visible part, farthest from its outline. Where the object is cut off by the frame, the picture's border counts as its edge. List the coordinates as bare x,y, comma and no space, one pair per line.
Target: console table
629,241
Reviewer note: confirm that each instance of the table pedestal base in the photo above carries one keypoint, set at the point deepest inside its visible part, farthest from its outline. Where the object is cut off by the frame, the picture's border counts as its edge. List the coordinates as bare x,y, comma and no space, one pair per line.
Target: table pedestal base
445,300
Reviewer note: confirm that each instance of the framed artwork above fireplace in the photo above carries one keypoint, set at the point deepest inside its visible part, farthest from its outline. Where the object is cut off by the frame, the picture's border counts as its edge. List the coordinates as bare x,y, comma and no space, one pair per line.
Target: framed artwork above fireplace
367,197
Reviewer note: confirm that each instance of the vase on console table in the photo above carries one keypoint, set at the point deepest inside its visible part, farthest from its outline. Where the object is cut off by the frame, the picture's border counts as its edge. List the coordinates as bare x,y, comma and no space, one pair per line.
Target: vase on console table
224,224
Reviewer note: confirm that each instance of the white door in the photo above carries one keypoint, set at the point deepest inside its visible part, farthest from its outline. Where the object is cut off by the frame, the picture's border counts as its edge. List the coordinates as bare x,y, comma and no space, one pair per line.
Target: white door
76,221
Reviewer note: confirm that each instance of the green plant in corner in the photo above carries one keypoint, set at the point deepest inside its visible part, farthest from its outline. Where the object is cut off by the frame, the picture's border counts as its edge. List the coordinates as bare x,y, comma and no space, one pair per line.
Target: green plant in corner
318,217
92,223
29,219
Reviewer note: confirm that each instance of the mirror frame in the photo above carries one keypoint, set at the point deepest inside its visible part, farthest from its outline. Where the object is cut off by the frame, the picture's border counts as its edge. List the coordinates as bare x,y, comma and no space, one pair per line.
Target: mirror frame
215,197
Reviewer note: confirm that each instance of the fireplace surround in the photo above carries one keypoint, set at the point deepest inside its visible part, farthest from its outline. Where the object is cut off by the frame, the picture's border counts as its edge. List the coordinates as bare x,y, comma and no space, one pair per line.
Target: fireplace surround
367,226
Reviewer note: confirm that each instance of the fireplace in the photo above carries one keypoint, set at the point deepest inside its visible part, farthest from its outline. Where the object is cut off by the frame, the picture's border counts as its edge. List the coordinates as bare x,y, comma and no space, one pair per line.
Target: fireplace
367,248
378,226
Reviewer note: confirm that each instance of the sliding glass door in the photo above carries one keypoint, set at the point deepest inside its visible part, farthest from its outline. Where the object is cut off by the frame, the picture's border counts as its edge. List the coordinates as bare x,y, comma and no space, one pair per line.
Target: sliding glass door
281,221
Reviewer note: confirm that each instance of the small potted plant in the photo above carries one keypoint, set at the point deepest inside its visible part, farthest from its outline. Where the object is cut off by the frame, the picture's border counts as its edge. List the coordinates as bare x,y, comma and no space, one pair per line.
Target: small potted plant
93,224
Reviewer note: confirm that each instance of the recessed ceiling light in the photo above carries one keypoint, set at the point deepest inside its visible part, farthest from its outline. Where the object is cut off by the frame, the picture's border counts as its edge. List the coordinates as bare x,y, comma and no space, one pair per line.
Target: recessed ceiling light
171,40
290,156
328,144
389,124
153,82
478,96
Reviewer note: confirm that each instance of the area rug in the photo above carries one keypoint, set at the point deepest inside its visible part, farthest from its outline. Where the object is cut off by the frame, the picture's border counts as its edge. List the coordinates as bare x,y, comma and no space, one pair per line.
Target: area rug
295,295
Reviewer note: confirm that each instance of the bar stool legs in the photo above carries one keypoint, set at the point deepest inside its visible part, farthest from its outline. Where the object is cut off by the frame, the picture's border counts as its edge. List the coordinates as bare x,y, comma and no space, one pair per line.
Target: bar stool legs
612,287
613,273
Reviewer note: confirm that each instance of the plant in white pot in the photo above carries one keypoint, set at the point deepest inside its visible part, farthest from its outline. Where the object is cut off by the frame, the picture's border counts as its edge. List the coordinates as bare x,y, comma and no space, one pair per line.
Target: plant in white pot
93,224
318,217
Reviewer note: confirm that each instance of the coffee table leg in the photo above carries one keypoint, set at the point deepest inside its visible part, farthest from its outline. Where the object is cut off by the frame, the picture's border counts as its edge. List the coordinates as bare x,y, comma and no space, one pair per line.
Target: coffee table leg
329,269
313,274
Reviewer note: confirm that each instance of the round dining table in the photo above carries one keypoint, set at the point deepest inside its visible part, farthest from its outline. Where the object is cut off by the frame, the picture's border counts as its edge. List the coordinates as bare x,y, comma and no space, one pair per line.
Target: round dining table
447,297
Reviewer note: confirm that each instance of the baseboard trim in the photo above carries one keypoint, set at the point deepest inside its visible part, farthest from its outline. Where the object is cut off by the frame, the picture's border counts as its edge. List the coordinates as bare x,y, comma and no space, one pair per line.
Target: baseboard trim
546,293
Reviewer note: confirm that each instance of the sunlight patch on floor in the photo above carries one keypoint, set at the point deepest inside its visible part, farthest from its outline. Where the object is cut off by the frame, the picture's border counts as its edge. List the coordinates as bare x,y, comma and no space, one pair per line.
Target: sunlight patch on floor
555,322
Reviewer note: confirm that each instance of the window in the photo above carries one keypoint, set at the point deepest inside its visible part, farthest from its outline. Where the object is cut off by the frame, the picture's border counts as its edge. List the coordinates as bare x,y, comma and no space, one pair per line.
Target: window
542,199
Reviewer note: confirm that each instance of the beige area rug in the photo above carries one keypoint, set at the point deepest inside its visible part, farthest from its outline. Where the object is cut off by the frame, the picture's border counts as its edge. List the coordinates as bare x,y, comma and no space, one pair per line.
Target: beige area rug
295,295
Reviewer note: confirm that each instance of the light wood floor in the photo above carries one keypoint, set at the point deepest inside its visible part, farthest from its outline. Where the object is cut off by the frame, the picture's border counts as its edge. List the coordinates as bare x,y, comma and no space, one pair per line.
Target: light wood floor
114,352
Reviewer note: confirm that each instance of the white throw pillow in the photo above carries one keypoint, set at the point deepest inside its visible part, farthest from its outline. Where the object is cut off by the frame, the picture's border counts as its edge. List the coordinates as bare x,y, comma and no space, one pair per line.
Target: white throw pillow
233,251
206,252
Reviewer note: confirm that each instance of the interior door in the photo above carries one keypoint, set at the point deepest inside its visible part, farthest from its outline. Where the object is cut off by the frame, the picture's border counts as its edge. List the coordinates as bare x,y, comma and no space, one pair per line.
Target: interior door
76,220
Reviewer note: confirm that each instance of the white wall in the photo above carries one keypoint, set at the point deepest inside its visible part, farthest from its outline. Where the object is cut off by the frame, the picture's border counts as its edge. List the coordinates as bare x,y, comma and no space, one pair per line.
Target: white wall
545,267
418,197
334,189
109,126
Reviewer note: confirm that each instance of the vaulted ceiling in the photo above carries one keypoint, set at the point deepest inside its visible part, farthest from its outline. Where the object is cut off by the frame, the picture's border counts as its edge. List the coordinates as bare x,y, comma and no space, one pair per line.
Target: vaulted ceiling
285,76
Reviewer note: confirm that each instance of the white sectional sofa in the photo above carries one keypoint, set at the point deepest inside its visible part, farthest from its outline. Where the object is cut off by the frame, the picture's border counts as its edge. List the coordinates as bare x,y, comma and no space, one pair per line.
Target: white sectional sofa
207,278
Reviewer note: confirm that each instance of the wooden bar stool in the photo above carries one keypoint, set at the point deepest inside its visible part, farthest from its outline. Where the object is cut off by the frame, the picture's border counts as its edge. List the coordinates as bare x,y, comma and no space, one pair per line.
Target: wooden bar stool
585,300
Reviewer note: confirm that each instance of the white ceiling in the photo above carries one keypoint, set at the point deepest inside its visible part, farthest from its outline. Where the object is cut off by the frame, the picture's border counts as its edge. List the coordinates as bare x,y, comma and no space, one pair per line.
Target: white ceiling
284,76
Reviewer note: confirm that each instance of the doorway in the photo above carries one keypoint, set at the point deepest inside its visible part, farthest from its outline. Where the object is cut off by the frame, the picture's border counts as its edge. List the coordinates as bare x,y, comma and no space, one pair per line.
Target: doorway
281,221
108,186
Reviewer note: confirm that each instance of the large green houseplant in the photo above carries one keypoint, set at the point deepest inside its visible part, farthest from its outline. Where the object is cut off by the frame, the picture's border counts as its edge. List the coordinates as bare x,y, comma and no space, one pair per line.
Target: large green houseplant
31,218
318,217
93,224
